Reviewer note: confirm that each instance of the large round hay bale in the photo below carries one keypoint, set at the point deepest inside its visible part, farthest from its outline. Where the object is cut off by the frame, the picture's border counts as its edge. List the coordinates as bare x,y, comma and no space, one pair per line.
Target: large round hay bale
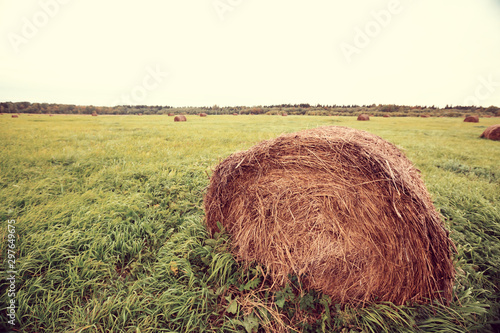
492,133
94,114
203,114
180,118
386,116
15,116
284,114
363,117
342,209
471,119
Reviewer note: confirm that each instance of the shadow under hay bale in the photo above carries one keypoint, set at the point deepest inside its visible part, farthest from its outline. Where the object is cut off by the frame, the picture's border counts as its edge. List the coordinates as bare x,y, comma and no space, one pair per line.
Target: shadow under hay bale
471,119
492,133
342,209
180,118
363,117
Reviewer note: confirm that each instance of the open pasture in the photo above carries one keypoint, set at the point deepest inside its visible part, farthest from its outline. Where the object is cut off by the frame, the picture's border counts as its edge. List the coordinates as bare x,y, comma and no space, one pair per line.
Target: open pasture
110,236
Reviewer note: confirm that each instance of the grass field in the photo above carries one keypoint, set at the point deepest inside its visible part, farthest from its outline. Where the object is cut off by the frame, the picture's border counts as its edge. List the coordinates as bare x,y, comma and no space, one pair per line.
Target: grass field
109,233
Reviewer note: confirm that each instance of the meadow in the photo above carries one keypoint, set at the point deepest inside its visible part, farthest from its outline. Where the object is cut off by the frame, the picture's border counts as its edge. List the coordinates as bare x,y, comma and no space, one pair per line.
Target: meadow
109,233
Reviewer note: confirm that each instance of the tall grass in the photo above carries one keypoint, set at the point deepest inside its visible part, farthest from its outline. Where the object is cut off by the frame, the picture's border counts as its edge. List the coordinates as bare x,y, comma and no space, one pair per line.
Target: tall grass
110,235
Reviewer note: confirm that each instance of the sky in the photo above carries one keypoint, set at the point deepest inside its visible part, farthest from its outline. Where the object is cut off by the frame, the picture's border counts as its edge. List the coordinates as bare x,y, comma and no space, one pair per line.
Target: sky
250,52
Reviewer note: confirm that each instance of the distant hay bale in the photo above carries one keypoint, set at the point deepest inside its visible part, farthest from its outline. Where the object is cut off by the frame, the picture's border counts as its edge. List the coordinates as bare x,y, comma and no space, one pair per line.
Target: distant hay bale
15,116
342,209
94,114
180,118
386,116
363,117
425,116
487,116
203,114
171,114
471,119
235,114
284,114
492,133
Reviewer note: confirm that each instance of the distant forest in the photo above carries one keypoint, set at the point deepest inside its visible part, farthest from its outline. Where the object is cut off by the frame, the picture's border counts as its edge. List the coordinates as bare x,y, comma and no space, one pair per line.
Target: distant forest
290,109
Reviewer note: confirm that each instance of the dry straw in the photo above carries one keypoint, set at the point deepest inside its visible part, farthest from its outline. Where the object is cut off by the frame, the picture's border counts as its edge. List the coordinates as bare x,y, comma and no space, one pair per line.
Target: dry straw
471,119
342,209
492,133
363,117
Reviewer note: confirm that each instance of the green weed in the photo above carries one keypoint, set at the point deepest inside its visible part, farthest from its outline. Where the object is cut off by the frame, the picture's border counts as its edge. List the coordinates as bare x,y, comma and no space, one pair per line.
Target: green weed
110,234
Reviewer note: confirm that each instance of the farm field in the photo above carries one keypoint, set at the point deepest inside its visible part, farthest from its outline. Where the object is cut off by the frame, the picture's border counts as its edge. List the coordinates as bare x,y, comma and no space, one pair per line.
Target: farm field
109,232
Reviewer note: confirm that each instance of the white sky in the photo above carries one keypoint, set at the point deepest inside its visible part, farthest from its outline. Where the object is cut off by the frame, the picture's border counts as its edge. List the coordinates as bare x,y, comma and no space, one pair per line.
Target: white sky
250,52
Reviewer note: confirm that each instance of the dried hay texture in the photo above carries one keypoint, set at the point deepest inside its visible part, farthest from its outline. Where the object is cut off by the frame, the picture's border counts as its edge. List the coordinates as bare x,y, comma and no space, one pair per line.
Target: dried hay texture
492,133
342,209
180,118
471,119
363,117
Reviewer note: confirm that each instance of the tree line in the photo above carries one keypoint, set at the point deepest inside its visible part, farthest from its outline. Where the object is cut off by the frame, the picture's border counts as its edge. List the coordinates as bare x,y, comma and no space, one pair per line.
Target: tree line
291,109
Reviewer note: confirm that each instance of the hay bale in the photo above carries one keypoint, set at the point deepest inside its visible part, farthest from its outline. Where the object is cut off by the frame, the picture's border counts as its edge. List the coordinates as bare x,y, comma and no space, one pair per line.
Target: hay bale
386,116
203,114
284,114
15,116
492,133
235,114
180,118
471,119
94,114
342,209
425,116
363,117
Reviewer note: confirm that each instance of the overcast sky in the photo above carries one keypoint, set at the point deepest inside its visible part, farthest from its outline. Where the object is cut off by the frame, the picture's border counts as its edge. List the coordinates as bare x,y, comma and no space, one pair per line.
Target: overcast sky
250,52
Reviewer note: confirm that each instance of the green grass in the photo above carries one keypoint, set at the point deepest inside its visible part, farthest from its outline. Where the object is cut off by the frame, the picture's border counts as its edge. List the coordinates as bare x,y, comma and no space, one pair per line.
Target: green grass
110,236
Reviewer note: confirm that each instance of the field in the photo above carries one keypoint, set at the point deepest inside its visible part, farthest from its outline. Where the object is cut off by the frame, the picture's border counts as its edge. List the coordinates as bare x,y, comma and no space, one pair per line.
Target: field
109,233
